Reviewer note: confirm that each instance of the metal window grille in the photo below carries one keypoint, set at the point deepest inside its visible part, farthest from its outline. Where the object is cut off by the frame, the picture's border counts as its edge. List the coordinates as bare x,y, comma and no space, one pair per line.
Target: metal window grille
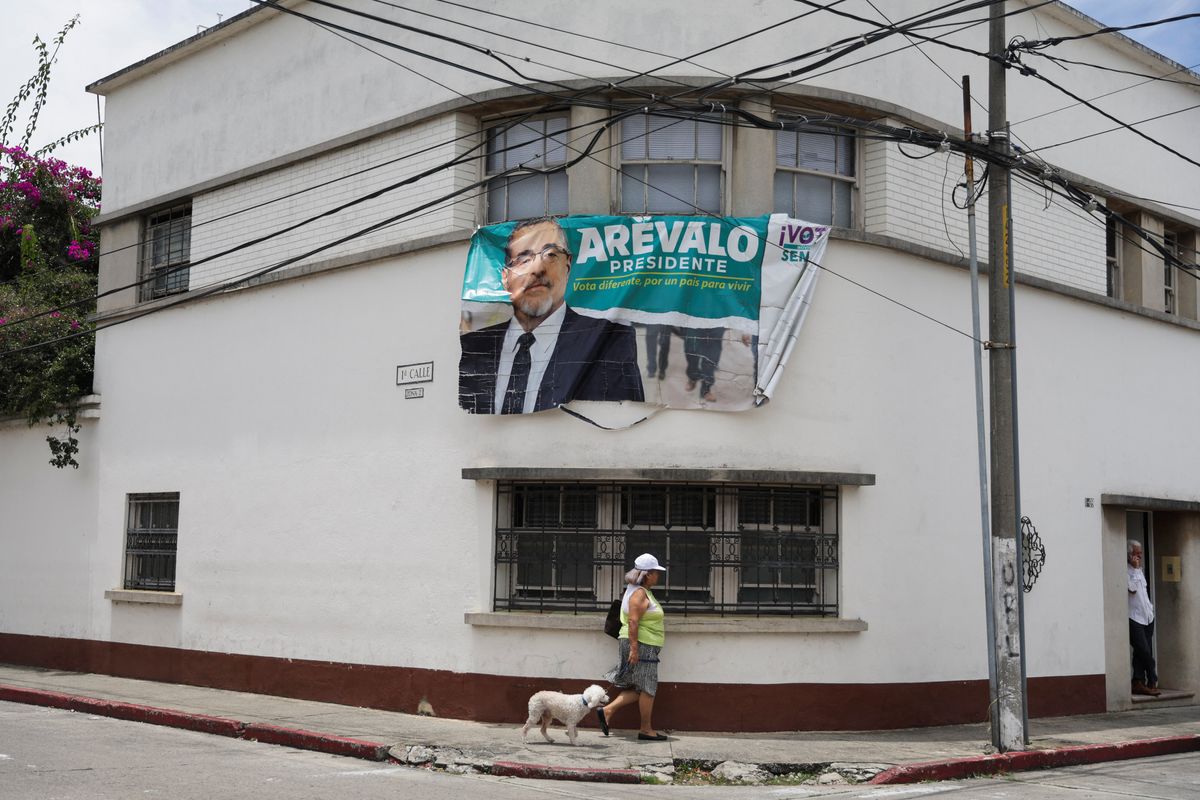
815,174
1171,245
670,165
729,548
151,539
539,142
166,252
1112,251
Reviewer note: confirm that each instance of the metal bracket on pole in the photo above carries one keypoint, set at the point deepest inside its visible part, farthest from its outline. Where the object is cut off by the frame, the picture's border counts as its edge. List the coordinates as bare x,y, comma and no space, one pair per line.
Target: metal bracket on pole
989,345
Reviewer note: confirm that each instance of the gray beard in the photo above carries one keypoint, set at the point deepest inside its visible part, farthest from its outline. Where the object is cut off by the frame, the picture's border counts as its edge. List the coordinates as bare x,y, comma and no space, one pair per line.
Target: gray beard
533,309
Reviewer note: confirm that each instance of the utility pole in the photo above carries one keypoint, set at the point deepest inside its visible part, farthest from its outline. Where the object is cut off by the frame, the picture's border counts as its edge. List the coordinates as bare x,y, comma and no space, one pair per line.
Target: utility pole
1008,712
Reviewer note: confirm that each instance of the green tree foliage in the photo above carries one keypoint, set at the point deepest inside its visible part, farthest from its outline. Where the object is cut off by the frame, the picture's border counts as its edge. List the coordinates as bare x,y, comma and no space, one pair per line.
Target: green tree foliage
48,267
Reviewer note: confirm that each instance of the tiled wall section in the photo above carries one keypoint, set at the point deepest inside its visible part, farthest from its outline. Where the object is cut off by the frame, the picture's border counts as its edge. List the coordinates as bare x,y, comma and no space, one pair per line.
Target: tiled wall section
396,155
910,199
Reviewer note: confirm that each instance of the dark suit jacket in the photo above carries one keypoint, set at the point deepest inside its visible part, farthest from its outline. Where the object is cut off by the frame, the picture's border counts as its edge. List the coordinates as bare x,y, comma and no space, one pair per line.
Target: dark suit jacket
594,359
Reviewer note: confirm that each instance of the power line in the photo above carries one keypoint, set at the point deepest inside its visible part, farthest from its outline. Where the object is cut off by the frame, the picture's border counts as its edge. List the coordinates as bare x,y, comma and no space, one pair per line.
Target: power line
1123,126
1057,40
1150,78
1106,94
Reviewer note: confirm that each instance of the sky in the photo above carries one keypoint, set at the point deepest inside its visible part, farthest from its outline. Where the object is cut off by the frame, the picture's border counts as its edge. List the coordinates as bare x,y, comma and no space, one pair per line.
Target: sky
113,34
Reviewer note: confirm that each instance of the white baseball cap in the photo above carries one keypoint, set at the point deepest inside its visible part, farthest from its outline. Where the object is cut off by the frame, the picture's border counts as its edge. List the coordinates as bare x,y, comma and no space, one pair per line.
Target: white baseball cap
647,562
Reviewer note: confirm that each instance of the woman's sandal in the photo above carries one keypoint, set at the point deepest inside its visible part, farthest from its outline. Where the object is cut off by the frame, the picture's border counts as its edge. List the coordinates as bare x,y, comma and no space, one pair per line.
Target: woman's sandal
658,737
603,721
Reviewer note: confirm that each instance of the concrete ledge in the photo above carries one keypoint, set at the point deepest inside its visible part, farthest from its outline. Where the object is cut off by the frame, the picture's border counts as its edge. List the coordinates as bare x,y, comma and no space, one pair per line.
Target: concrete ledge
669,474
593,622
144,596
999,763
1148,503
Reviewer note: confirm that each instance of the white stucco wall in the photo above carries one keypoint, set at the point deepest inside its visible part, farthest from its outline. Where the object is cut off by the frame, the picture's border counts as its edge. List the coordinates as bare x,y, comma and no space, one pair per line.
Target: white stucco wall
246,210
47,534
324,517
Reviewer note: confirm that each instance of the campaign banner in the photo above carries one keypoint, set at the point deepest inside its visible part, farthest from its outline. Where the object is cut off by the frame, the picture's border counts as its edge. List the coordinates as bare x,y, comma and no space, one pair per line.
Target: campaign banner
684,312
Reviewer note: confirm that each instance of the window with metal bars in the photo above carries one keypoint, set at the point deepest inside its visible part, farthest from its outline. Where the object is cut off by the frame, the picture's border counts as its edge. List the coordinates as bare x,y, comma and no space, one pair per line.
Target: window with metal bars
166,252
151,539
728,548
815,175
538,142
670,165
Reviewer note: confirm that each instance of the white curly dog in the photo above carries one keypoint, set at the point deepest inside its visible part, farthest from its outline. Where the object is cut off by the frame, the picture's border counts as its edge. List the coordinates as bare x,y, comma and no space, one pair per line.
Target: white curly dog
566,708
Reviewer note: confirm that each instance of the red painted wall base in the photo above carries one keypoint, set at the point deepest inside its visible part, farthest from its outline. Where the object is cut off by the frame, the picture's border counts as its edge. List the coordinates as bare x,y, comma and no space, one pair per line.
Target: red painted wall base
498,698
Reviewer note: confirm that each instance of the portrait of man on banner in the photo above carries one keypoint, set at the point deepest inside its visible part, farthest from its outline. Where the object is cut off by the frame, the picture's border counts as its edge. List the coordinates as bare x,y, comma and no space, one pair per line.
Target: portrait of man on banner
679,312
546,354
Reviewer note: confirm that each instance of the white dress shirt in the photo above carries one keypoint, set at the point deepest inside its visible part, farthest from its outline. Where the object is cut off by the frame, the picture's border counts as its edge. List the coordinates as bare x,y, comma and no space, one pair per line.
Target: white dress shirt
545,337
1140,609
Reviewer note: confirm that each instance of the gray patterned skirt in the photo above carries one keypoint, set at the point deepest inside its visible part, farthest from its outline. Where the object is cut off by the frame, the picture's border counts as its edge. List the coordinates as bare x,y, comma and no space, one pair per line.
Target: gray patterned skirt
642,676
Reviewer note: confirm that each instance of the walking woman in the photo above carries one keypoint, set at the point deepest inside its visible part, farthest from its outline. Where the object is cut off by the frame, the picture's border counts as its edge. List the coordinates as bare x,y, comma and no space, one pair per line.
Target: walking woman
640,642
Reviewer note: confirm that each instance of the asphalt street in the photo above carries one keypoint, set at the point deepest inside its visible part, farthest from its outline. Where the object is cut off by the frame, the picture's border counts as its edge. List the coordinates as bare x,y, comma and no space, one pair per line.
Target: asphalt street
51,754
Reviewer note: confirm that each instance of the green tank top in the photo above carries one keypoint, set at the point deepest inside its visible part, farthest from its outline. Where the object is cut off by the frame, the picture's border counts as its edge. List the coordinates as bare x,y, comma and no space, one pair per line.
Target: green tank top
651,629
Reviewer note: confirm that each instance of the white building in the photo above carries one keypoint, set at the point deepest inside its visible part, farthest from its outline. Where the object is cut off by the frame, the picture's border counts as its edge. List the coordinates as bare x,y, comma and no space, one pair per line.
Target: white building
322,534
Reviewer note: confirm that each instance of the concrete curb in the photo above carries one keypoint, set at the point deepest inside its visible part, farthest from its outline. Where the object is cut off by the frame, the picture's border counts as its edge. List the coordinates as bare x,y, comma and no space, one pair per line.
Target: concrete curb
975,766
202,723
312,740
513,769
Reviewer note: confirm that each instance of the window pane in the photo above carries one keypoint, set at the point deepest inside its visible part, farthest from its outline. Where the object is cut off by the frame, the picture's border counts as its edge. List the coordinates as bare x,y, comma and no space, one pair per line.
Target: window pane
841,204
645,506
633,139
633,189
526,143
495,141
692,507
845,155
556,199
689,559
785,149
497,194
818,151
540,508
574,561
556,145
672,138
527,197
783,193
813,198
579,507
708,141
672,188
708,189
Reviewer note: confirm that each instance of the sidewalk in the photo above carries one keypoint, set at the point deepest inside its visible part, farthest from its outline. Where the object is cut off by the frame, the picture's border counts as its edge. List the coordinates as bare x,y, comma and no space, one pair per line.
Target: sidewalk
879,756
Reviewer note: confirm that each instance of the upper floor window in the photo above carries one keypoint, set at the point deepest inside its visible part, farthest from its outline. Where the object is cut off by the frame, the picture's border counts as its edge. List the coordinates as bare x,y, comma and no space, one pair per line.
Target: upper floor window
728,548
670,165
815,173
1112,251
151,539
166,252
1170,269
539,142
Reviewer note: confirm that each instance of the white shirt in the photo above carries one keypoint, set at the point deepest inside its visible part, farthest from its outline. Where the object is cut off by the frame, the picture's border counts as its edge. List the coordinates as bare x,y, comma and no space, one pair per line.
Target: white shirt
545,337
1140,610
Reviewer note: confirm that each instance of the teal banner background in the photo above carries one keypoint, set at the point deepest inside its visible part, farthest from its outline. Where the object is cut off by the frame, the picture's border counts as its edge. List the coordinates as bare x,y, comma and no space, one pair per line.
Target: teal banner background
701,271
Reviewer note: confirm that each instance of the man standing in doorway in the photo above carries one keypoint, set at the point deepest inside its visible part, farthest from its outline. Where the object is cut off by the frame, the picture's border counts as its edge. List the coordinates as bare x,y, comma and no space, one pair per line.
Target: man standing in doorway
1141,625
